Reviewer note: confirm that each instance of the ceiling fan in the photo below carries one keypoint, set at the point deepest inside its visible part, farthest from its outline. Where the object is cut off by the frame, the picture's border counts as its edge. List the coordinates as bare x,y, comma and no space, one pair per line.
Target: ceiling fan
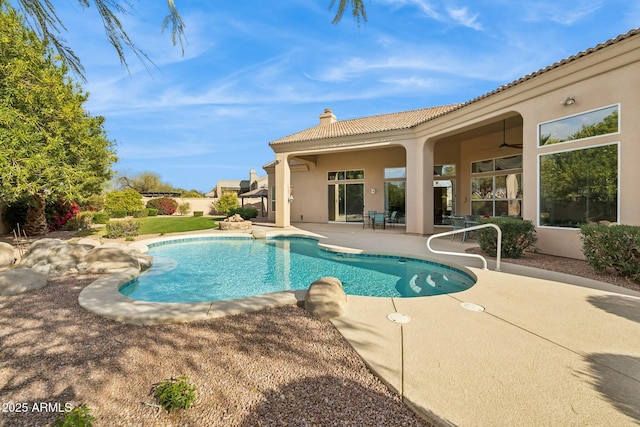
504,139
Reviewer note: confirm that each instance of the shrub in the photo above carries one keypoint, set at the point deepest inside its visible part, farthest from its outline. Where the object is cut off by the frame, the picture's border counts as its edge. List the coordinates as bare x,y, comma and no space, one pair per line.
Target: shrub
152,212
226,202
118,214
80,416
614,247
517,236
81,221
164,205
93,203
59,213
101,217
175,393
198,213
141,214
245,213
184,208
116,229
123,200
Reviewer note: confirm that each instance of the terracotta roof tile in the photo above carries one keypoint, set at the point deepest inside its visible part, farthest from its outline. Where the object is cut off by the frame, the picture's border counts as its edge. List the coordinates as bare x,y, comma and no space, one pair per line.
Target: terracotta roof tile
364,125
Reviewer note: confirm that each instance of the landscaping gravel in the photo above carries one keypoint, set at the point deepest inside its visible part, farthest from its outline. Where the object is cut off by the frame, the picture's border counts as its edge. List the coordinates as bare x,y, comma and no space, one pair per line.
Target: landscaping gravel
278,367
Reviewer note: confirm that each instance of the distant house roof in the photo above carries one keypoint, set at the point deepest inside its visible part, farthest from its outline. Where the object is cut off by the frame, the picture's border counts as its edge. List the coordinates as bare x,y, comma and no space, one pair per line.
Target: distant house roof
410,119
273,163
371,124
258,192
161,194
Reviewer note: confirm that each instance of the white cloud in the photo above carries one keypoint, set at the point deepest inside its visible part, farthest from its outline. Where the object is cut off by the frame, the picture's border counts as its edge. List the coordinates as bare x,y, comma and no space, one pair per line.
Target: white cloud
560,12
426,7
452,15
464,18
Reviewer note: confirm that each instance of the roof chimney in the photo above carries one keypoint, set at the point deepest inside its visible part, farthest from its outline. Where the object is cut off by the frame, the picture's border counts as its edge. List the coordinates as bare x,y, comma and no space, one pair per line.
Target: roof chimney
327,117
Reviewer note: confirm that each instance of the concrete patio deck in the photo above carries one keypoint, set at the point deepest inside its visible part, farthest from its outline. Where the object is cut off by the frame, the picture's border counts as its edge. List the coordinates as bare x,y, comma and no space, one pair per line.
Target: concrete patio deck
548,349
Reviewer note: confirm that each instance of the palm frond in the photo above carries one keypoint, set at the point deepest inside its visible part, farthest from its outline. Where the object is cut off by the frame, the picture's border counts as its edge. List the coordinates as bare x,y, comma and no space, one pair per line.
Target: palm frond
177,25
357,10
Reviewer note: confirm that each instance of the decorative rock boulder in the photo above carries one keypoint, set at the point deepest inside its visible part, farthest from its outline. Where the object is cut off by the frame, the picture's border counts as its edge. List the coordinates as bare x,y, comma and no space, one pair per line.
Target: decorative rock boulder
109,260
259,233
89,242
326,298
54,251
19,280
54,257
235,223
7,255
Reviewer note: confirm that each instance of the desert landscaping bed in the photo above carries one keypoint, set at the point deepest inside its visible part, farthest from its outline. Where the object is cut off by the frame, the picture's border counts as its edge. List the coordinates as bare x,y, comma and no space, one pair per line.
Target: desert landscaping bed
276,367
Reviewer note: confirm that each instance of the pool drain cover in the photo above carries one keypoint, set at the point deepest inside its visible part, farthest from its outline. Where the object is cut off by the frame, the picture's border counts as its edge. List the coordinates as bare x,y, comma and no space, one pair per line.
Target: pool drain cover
399,318
471,306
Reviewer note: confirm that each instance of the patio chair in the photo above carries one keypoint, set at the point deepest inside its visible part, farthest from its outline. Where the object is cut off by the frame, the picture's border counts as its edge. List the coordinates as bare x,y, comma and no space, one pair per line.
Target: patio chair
470,221
458,223
378,218
368,218
393,218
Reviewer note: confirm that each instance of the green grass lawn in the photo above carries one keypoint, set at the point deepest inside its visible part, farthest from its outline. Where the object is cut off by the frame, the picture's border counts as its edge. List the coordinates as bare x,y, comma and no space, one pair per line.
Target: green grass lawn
175,224
163,225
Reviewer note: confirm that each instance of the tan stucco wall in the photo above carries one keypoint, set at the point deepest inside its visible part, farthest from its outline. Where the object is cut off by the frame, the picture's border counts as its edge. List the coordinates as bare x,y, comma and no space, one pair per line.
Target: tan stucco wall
310,188
196,203
605,77
591,92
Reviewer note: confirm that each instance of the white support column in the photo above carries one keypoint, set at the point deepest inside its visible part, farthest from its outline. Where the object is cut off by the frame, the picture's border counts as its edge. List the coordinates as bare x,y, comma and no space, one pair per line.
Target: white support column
419,192
414,192
428,149
283,185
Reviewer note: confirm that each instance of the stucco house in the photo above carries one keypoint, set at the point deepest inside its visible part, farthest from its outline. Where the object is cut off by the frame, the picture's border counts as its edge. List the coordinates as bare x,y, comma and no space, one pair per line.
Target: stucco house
559,147
238,186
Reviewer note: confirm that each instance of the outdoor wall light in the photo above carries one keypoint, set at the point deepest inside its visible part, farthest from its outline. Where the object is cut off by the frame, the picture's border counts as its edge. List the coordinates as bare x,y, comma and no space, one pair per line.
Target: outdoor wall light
570,100
373,191
290,198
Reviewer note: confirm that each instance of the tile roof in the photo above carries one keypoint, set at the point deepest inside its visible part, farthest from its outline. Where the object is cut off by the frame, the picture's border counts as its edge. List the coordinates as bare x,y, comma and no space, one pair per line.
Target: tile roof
409,119
629,34
364,125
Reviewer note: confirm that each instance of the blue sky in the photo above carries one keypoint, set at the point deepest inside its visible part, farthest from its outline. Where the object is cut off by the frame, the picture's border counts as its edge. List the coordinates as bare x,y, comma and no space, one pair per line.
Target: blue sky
255,71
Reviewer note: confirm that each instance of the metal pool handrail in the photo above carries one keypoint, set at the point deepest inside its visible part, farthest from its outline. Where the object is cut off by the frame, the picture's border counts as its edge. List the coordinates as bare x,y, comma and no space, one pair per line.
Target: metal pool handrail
464,230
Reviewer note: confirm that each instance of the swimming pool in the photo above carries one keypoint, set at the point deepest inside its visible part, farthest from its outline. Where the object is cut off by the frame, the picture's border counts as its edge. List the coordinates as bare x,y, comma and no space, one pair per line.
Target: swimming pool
217,269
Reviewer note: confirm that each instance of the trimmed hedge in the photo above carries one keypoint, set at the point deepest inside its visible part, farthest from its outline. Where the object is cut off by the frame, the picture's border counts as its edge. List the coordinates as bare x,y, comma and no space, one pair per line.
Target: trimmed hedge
152,212
164,205
517,236
198,213
615,247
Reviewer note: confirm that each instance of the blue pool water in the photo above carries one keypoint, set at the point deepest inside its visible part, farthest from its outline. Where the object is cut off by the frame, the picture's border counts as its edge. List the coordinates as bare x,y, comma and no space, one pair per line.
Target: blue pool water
223,269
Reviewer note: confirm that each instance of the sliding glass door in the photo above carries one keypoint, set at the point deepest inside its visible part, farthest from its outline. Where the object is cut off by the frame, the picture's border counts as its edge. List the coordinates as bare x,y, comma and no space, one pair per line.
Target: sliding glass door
346,202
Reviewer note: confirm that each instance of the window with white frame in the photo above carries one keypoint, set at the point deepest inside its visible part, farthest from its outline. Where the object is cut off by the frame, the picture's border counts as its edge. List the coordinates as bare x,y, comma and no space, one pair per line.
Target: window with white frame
496,186
579,186
602,121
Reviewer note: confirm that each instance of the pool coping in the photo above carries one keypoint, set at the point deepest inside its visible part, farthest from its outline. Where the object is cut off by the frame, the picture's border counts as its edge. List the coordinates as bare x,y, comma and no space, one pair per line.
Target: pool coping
103,297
